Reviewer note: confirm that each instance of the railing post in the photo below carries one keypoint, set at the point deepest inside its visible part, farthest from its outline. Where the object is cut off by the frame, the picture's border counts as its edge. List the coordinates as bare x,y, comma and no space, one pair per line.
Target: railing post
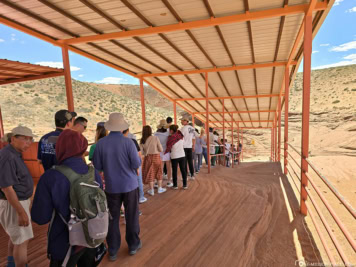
272,159
232,142
223,106
143,109
286,110
175,112
242,142
67,78
207,119
238,141
275,138
279,127
307,50
1,129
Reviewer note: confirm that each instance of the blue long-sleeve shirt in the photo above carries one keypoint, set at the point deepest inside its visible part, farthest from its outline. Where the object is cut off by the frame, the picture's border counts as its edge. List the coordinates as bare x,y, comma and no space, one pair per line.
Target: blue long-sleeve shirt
52,193
117,156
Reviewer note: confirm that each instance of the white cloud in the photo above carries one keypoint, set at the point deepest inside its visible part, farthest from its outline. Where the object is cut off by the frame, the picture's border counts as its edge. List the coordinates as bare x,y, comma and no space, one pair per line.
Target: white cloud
12,34
344,47
315,51
110,80
56,65
324,44
2,40
351,10
350,59
81,75
337,2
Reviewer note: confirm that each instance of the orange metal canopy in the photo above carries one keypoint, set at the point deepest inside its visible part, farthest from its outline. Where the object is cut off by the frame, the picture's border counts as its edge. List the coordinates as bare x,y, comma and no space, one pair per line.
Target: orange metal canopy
246,46
14,71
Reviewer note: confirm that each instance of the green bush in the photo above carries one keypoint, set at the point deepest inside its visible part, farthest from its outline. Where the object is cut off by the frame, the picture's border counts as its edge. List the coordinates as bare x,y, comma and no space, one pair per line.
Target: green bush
336,101
28,85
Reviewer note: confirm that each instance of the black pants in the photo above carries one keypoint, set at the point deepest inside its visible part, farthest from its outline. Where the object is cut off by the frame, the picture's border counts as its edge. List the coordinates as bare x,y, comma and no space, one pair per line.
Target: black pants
189,161
182,167
84,258
130,200
165,168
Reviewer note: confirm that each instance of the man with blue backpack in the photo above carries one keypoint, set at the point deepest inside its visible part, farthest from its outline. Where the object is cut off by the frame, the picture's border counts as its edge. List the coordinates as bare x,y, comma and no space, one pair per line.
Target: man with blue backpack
70,198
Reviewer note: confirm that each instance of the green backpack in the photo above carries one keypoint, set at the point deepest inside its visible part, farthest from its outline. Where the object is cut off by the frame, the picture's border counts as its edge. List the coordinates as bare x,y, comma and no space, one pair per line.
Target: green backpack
89,219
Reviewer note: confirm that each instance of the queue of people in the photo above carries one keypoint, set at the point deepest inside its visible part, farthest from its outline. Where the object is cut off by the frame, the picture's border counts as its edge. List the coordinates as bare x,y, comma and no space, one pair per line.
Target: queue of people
119,167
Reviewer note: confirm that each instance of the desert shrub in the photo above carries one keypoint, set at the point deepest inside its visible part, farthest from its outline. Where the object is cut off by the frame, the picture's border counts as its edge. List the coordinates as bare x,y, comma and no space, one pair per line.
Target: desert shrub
336,101
353,90
38,101
28,85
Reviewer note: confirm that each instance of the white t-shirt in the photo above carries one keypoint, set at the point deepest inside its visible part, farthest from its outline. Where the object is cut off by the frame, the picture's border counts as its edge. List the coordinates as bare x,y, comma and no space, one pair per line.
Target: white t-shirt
189,134
227,148
177,150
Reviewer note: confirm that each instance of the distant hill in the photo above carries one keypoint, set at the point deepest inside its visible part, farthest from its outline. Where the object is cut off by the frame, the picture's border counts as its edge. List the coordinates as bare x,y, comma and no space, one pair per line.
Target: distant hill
34,104
333,96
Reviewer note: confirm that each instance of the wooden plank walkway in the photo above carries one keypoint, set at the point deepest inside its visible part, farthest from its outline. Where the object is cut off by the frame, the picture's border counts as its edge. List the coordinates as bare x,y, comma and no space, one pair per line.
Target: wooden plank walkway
233,217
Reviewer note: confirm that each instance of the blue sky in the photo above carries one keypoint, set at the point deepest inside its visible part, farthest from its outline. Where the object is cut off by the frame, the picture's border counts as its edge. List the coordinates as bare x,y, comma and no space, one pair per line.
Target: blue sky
334,45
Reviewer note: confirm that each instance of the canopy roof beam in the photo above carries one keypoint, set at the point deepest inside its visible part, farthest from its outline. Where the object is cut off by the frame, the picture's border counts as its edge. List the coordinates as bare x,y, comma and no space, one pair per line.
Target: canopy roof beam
181,26
226,97
219,69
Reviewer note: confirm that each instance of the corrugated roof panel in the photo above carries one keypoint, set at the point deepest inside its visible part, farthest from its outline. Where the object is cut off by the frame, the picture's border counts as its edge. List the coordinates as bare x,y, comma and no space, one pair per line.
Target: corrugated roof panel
190,10
264,80
155,11
290,30
226,7
213,45
237,38
187,46
263,5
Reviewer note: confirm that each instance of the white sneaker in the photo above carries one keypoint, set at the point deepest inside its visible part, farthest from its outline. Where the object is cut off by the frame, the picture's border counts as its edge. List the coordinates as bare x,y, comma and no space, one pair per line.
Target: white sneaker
151,192
161,190
142,200
192,178
169,184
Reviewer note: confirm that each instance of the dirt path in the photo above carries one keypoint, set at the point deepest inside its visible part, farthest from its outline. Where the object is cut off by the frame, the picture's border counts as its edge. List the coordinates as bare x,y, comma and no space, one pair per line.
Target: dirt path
233,217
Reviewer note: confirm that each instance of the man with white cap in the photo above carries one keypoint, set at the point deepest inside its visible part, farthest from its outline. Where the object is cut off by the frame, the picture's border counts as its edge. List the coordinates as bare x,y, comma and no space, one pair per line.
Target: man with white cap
189,144
16,189
117,157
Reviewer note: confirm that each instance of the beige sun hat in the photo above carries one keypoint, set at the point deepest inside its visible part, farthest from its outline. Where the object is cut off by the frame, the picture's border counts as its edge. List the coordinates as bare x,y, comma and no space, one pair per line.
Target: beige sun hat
162,124
22,130
116,123
185,118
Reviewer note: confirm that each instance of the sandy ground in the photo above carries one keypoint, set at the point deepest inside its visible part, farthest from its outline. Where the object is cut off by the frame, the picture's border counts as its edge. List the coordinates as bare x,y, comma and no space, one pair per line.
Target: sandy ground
245,216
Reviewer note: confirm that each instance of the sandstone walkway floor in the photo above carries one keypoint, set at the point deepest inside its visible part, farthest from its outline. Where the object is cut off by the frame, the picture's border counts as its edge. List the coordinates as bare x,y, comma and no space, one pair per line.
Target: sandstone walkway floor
233,217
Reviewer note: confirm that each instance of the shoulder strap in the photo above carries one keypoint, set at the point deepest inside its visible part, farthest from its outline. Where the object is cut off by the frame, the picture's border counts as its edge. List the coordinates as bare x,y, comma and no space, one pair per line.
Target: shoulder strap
67,172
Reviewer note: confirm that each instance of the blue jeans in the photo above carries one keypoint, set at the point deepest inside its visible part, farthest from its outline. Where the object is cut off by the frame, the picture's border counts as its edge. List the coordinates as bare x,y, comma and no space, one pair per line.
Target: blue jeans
197,161
205,155
140,184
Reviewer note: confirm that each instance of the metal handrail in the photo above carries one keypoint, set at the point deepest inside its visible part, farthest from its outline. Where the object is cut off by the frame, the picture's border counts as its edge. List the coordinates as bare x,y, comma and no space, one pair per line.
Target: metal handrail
332,212
331,187
327,182
329,208
328,229
294,149
311,214
294,160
